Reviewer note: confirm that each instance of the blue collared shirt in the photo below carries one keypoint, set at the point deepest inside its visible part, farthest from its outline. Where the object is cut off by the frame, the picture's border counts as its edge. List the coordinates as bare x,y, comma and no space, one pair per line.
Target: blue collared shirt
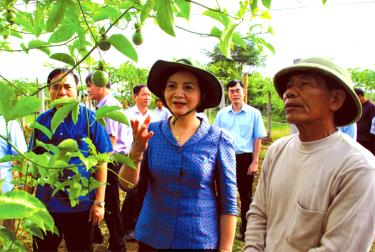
180,209
244,126
67,129
16,137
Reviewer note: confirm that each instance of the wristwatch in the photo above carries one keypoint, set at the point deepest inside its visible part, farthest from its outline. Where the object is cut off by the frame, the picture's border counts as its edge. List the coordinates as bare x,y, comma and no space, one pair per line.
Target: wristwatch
99,203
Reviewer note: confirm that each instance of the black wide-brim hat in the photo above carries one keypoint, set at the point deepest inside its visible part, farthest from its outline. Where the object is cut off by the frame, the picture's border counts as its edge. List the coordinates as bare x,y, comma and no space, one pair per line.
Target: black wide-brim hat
351,109
211,90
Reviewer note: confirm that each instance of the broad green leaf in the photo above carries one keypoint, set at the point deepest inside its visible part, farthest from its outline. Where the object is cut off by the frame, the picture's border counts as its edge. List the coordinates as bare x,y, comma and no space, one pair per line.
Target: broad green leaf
6,96
72,12
267,3
56,15
63,57
216,32
24,47
24,106
75,113
117,116
265,15
62,33
41,45
146,9
218,16
24,20
100,113
6,234
19,205
68,145
38,20
184,7
15,34
253,5
61,101
121,158
165,17
324,1
122,44
61,114
91,145
106,13
49,147
34,231
238,40
226,38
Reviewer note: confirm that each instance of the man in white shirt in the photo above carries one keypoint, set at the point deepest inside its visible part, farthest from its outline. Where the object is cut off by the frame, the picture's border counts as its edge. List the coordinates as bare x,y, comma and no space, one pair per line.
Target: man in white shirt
161,111
132,204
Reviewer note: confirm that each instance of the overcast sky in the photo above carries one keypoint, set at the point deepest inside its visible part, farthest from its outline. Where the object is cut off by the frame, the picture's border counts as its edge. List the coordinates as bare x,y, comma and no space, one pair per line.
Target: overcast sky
342,30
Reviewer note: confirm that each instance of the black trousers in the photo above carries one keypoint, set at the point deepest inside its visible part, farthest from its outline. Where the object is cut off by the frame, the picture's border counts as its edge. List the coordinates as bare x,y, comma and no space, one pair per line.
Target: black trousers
76,230
131,208
244,185
112,215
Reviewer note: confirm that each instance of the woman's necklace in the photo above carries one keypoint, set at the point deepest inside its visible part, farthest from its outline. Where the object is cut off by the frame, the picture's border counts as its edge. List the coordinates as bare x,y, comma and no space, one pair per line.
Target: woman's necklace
180,136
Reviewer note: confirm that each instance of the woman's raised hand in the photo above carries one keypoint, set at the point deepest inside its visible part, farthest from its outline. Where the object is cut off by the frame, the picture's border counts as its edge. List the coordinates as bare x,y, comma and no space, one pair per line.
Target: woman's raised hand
141,135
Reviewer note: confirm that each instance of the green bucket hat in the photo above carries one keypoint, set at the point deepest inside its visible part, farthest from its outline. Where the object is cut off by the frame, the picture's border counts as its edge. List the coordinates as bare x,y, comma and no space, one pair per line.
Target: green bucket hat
210,86
351,109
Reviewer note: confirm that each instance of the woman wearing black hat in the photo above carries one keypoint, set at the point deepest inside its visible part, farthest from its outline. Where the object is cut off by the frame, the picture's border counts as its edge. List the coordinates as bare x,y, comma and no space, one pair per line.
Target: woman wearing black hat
187,165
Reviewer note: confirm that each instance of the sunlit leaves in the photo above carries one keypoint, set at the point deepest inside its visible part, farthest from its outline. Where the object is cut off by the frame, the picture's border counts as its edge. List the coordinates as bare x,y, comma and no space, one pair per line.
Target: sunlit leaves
24,106
61,114
123,45
63,57
165,17
184,7
111,112
62,33
226,38
218,16
146,9
41,45
55,15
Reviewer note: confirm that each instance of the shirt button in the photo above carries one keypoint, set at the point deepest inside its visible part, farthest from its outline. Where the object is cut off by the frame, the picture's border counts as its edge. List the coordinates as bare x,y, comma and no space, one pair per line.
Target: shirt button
61,134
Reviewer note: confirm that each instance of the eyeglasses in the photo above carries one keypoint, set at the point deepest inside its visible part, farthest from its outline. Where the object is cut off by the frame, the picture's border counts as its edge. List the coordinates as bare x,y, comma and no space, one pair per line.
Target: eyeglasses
59,86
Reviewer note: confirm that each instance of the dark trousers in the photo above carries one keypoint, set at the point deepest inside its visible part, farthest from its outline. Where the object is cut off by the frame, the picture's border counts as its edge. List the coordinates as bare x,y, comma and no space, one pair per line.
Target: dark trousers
76,230
112,215
244,185
131,208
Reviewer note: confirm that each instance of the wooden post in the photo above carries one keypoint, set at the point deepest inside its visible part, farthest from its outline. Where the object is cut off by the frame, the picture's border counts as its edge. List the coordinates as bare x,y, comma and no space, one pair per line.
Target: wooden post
245,81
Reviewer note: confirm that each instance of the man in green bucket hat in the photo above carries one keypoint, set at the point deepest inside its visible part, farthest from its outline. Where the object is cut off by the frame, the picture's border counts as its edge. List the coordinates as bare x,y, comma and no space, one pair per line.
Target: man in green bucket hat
317,187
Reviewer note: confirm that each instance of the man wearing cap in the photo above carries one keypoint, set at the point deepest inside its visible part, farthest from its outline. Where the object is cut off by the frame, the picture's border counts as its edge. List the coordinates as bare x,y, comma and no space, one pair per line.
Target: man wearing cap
121,138
161,111
365,137
317,187
246,126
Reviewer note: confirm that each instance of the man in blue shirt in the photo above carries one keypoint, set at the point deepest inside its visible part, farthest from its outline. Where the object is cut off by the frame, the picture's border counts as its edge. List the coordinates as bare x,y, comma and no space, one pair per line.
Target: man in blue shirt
246,126
73,223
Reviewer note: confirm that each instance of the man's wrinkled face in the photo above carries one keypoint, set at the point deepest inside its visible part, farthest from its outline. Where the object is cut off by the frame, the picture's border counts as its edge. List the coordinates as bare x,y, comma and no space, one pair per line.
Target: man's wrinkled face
66,87
307,99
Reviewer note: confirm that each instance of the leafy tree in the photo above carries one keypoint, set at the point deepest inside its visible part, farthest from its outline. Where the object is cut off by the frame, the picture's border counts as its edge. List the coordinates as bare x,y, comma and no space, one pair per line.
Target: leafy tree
364,79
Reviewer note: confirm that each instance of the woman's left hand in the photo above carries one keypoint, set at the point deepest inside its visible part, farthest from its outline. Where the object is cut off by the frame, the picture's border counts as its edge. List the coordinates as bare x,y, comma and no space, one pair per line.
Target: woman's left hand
96,214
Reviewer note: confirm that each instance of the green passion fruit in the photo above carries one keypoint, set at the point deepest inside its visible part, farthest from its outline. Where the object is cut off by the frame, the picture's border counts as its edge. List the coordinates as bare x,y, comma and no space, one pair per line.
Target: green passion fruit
137,38
100,78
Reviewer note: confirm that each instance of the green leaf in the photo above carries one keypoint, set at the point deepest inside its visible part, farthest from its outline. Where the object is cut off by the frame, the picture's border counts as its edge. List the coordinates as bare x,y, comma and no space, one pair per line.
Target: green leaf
24,106
267,3
56,15
146,9
121,158
122,44
184,7
19,205
75,113
117,116
238,40
63,57
165,17
6,96
62,33
106,13
41,45
216,32
100,113
61,101
225,40
61,114
253,5
218,16
6,234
